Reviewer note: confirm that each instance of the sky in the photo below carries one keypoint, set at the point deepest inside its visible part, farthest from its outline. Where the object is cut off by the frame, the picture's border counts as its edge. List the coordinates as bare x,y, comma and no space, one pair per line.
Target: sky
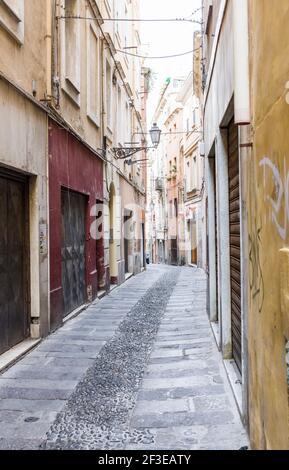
160,39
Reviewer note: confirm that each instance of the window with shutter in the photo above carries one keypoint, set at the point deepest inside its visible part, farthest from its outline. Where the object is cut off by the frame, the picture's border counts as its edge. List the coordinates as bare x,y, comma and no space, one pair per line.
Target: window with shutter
12,18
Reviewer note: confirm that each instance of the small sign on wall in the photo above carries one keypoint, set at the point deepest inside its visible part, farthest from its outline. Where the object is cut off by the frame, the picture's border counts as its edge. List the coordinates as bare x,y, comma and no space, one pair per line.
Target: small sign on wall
43,241
89,293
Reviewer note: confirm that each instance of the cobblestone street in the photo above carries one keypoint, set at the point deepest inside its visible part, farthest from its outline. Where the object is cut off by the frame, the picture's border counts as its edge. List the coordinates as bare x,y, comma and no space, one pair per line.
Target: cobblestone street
138,369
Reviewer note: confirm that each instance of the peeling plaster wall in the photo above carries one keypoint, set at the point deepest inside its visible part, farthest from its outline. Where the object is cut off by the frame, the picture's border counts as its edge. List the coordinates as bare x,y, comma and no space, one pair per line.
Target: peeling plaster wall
267,176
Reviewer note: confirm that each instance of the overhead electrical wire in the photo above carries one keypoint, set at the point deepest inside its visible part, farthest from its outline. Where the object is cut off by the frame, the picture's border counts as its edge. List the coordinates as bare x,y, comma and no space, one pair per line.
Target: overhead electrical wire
158,57
194,12
130,20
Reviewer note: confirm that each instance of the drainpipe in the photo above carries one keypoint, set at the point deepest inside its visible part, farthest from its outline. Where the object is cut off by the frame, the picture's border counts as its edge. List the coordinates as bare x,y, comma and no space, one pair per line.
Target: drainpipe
241,62
48,41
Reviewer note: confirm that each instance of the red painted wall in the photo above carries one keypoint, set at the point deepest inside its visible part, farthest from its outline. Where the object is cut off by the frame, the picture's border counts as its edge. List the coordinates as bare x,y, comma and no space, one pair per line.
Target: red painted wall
73,166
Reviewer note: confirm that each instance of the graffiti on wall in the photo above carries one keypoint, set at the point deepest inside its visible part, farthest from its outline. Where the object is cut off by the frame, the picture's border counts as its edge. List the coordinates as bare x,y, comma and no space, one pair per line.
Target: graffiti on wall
256,274
280,202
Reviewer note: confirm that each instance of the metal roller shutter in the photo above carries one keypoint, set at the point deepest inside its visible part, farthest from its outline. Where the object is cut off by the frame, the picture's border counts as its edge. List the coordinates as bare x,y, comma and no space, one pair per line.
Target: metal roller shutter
235,253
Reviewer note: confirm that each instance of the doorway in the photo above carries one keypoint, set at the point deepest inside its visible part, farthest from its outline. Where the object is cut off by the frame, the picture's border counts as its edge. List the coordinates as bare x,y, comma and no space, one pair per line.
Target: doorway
143,246
194,242
174,251
14,326
73,212
213,239
235,243
127,238
113,268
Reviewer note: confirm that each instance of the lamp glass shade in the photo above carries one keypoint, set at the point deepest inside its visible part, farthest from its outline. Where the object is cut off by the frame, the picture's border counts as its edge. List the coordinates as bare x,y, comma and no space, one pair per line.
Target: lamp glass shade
155,134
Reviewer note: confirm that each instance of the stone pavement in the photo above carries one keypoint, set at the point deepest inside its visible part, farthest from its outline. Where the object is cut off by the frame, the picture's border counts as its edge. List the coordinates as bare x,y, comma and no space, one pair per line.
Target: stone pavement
137,370
185,399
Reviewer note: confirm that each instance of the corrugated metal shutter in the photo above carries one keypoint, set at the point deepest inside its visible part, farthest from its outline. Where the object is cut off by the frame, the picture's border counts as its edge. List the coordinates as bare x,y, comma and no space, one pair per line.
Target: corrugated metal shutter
235,253
216,243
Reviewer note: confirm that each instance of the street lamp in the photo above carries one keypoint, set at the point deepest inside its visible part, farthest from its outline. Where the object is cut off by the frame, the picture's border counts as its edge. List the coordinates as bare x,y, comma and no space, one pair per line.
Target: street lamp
128,151
155,134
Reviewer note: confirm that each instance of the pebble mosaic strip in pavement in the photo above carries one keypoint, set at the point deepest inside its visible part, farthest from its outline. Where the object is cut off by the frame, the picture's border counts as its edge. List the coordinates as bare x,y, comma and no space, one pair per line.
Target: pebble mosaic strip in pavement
35,390
138,370
98,413
185,400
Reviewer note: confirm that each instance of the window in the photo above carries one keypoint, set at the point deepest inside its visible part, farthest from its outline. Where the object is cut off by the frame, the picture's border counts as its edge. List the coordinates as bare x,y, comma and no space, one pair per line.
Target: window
128,122
194,174
194,117
70,35
175,207
108,95
93,81
188,178
175,165
119,127
12,18
177,83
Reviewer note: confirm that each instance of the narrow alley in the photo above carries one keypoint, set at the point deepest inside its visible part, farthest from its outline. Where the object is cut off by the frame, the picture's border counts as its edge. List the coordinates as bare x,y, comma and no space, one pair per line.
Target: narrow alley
138,369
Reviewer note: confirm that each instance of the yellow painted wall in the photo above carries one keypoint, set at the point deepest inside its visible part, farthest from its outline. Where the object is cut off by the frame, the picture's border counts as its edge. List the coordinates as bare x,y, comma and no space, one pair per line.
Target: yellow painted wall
26,62
267,176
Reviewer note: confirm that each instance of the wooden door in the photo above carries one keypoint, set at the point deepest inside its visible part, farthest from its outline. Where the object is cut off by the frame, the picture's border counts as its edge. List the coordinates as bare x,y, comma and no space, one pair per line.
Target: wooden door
13,263
194,243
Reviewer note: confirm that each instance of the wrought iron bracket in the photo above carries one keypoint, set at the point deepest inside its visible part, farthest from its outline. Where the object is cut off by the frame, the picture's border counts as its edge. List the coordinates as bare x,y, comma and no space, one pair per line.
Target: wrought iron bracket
121,153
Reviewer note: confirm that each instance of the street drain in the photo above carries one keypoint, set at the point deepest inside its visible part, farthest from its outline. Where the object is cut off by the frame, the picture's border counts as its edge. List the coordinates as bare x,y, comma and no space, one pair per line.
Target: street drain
31,419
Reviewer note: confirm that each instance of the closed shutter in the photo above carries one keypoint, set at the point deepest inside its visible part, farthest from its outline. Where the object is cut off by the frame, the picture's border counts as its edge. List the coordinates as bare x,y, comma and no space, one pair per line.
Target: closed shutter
216,244
235,254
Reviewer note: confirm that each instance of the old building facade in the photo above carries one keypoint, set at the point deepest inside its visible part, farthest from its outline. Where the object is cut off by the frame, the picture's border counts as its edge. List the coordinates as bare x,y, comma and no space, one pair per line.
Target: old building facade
193,164
76,102
165,178
225,81
266,192
245,123
24,83
176,219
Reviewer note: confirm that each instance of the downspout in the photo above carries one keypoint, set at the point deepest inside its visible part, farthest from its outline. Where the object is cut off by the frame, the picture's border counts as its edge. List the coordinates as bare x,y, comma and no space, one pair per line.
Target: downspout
48,97
104,152
48,42
241,62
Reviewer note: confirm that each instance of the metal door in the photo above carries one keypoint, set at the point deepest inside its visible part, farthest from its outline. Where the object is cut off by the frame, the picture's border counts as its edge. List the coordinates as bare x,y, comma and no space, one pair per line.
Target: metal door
235,253
13,263
73,207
